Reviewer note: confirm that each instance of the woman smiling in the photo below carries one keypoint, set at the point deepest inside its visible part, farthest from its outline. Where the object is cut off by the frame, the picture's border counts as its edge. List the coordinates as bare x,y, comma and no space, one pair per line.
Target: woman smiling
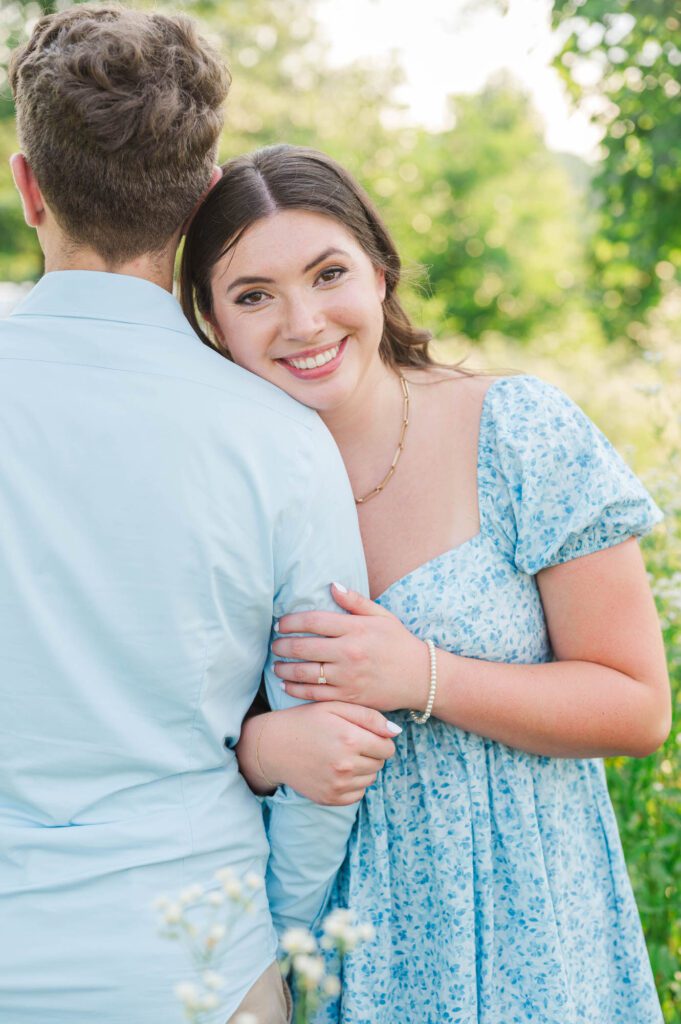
512,633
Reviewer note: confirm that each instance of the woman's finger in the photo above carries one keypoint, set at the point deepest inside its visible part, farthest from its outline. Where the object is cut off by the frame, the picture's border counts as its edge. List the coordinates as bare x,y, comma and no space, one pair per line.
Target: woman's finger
320,623
348,798
303,691
366,719
365,766
378,748
304,672
363,782
355,782
306,648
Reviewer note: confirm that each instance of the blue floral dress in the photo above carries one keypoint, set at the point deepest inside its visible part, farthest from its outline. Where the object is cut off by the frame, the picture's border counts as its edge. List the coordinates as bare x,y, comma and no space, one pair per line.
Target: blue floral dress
495,878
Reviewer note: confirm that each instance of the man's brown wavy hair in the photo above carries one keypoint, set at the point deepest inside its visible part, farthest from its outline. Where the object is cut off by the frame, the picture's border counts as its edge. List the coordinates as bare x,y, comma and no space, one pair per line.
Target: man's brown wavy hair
118,114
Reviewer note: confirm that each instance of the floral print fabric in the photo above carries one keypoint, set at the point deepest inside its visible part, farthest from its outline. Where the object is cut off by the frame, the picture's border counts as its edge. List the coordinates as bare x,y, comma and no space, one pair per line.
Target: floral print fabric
495,878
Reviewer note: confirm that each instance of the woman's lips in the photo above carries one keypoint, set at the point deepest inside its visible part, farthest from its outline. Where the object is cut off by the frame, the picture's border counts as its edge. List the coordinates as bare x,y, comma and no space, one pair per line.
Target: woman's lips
315,371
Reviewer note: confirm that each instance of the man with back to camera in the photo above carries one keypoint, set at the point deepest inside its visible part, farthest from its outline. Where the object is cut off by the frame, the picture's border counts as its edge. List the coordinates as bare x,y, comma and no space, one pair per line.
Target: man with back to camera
160,509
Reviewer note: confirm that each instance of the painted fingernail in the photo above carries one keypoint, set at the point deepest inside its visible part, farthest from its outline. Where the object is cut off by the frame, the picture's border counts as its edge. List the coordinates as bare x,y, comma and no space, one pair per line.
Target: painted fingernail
339,586
276,626
394,729
283,687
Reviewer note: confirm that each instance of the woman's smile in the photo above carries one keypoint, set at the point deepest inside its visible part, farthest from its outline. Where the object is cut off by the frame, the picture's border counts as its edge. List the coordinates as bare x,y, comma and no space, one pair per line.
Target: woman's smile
315,363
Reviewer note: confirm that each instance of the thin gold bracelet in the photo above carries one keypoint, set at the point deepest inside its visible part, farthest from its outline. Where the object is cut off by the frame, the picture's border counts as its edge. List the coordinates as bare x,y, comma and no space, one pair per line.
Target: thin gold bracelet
258,762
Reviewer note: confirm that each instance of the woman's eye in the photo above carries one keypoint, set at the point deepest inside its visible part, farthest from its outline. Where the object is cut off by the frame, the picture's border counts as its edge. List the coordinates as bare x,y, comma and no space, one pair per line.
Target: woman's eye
331,275
253,298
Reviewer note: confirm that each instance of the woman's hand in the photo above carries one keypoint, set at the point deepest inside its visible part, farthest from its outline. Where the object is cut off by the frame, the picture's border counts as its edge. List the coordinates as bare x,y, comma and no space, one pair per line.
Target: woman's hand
330,753
369,657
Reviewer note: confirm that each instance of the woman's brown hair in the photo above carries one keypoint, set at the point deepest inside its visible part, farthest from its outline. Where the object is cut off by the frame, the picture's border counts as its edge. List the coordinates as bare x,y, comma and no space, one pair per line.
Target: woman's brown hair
294,178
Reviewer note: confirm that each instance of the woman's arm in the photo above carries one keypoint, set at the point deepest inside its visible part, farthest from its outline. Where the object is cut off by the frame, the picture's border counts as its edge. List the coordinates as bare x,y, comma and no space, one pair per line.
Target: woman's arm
607,692
329,753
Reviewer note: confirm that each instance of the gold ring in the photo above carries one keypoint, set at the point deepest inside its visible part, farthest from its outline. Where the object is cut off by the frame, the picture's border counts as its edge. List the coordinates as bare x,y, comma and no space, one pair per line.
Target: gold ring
322,678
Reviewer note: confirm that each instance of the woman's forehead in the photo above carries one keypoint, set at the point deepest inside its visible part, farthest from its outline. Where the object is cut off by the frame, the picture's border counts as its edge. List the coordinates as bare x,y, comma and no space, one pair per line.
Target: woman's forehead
288,235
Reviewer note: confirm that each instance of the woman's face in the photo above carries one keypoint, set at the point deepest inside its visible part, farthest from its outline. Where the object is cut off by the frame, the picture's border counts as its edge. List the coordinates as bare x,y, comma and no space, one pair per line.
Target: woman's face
298,302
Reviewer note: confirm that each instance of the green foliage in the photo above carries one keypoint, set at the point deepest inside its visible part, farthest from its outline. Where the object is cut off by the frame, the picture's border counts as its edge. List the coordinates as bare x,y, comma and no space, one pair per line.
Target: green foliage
491,213
518,242
622,61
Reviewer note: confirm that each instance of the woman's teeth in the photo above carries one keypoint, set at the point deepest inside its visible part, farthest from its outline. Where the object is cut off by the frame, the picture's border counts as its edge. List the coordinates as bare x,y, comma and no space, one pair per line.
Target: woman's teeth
312,361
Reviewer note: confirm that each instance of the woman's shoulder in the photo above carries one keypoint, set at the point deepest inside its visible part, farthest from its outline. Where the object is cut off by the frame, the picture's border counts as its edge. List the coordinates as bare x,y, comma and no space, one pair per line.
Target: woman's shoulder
510,402
511,413
526,412
523,391
452,386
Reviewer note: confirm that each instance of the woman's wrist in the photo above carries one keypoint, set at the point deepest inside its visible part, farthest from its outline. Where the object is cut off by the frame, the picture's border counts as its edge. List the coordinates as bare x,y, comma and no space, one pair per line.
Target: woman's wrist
255,752
416,675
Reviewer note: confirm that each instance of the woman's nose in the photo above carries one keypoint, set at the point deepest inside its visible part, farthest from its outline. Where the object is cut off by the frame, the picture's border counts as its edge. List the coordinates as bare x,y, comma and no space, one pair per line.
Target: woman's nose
304,320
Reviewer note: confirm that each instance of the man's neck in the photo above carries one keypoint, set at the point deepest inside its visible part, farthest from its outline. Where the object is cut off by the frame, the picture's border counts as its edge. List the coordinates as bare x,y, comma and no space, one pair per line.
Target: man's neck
156,268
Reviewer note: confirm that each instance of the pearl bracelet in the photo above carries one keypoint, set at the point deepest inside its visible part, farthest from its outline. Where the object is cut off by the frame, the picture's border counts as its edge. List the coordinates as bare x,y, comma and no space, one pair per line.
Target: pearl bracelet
421,719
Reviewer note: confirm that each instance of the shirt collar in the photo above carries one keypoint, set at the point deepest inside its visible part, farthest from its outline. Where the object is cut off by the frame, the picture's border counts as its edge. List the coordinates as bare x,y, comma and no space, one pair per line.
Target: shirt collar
93,295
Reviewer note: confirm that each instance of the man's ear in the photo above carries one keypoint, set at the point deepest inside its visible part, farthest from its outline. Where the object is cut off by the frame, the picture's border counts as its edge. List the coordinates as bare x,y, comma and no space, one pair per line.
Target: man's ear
214,179
31,196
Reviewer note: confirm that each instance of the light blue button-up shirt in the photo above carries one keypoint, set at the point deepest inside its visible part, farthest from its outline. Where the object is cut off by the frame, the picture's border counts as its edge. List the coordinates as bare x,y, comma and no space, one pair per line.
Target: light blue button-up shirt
159,509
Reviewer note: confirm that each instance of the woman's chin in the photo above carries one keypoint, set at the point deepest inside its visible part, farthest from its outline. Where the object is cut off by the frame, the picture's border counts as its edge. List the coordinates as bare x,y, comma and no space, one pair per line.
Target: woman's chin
322,401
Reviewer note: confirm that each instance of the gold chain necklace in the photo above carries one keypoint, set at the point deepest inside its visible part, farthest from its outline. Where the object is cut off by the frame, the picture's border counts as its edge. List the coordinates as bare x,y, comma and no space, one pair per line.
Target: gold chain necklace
396,457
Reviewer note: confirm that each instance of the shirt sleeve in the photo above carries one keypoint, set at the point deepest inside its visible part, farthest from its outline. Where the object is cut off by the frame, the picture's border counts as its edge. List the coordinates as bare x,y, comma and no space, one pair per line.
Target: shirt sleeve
570,492
319,542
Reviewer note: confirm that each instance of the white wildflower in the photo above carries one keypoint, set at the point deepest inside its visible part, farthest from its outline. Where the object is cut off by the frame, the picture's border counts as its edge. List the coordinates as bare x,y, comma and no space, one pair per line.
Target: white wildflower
233,889
331,986
188,994
340,930
337,923
337,918
215,934
310,968
173,914
224,875
298,940
161,902
209,1001
366,932
191,894
216,898
212,980
253,882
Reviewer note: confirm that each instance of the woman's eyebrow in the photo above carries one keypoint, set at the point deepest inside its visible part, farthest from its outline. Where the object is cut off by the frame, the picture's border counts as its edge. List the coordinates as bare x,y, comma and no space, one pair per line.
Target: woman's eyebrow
237,282
332,251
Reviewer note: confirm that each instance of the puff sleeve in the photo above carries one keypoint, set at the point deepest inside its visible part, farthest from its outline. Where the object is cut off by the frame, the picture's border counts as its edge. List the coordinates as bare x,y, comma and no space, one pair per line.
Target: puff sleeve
568,492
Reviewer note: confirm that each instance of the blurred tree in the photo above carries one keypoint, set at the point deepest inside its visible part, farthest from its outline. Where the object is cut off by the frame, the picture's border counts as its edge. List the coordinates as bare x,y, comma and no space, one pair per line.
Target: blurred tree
621,60
491,212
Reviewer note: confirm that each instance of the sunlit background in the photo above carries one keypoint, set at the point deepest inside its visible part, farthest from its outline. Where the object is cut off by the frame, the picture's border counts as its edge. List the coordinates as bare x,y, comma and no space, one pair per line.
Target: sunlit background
451,49
527,156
